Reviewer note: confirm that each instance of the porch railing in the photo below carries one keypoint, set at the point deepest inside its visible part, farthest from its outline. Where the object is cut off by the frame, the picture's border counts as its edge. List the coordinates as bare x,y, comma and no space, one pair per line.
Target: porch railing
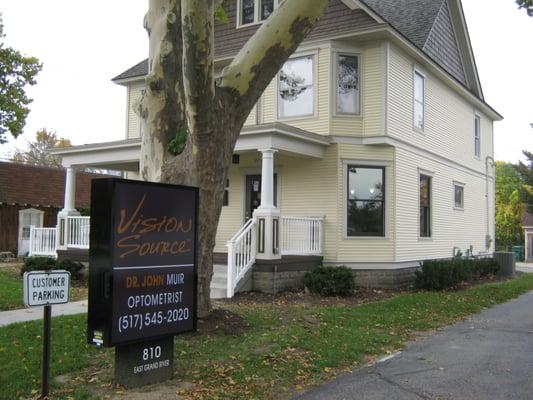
43,242
78,232
301,236
241,254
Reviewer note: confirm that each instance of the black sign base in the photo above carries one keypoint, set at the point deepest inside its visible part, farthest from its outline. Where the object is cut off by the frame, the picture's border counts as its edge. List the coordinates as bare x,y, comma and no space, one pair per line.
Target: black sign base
144,363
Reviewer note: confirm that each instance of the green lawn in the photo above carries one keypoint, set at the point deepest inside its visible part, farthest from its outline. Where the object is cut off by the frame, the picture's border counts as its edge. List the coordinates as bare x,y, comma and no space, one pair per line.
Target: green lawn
10,288
287,347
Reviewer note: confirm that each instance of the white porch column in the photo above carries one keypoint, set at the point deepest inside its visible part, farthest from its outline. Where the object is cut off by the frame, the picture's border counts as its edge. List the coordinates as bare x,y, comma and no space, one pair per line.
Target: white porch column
69,208
267,214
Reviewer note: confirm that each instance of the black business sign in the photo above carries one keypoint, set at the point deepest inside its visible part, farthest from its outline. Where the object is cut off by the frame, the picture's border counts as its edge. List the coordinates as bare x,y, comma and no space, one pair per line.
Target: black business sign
142,270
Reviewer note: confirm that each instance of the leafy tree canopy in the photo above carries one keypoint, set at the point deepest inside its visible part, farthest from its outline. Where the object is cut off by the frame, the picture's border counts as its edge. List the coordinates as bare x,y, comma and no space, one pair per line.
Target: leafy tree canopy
16,71
526,173
38,152
507,181
527,4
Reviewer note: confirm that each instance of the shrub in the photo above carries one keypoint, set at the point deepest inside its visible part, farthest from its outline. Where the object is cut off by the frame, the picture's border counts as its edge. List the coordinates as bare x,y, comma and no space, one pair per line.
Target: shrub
46,263
73,267
445,274
330,281
38,264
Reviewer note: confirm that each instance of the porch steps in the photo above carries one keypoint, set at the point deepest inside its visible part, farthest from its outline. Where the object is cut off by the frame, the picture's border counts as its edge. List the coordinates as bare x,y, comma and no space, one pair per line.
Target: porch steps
219,282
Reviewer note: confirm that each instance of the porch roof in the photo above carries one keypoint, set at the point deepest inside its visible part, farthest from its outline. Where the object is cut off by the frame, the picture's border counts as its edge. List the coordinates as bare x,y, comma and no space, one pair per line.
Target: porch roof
124,155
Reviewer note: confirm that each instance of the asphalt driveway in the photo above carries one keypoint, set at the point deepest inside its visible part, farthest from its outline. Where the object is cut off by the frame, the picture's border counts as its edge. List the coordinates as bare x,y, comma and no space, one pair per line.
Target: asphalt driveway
489,356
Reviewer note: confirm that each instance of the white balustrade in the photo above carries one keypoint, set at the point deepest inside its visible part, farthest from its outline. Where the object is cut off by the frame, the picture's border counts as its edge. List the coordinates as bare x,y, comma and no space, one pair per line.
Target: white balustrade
43,242
301,236
78,229
242,249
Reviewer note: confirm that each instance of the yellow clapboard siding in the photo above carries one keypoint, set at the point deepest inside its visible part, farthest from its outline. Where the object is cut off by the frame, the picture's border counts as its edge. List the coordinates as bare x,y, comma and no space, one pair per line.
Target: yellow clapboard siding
449,118
450,227
133,120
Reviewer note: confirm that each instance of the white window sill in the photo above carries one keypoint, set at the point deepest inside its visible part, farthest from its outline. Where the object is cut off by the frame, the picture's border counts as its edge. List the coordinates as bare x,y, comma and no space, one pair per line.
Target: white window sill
366,238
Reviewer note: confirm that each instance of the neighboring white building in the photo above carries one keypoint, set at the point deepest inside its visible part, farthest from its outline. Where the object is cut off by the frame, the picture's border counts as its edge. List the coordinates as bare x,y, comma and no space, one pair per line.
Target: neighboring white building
386,143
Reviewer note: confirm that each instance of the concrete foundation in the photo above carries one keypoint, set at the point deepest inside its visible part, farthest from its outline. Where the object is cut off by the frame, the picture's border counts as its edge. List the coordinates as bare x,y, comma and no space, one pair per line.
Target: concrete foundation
385,278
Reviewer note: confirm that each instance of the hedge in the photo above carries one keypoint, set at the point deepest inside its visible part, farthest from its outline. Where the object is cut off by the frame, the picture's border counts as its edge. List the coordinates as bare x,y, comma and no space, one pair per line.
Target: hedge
446,274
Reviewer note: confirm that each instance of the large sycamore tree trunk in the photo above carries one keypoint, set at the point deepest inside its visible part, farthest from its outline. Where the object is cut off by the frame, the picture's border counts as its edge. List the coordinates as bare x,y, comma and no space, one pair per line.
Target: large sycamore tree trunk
190,121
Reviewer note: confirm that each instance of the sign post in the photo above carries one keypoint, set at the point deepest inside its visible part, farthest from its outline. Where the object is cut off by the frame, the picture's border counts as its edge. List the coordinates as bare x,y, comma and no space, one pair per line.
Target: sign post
142,274
44,288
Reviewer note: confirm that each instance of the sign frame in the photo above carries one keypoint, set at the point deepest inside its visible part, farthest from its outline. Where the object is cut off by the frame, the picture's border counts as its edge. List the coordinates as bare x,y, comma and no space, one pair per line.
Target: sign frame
105,206
27,289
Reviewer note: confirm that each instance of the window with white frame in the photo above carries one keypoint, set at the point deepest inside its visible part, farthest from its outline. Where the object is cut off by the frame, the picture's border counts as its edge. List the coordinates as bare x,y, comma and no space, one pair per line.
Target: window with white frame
296,88
254,11
458,196
347,96
477,136
418,107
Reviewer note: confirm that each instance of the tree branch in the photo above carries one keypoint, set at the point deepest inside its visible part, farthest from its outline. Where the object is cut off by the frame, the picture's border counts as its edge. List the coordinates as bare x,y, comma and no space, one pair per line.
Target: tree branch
266,51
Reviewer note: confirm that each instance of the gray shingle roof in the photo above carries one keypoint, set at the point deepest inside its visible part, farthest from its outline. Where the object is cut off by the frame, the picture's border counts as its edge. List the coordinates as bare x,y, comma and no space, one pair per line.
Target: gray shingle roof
140,69
412,18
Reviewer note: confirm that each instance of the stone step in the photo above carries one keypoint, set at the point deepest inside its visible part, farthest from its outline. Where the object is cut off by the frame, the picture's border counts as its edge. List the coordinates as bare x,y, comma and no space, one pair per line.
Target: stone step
218,293
219,280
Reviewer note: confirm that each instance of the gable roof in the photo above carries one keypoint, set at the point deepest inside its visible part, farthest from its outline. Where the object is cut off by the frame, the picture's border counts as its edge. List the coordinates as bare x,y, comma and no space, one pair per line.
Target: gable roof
140,69
413,18
435,27
41,186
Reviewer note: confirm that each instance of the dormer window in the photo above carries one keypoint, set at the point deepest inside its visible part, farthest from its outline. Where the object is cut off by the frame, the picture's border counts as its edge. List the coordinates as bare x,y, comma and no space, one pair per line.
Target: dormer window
255,11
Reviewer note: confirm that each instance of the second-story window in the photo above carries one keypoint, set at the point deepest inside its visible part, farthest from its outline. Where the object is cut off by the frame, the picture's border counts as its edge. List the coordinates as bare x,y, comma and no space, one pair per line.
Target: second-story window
267,8
418,110
296,92
348,101
477,136
254,11
247,12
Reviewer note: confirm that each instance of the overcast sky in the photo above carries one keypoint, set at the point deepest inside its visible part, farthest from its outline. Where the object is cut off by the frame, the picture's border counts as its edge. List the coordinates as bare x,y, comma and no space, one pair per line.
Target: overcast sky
83,44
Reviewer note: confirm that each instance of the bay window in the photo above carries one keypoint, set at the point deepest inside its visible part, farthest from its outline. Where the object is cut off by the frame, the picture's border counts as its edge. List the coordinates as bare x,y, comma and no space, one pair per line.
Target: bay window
296,88
366,201
347,87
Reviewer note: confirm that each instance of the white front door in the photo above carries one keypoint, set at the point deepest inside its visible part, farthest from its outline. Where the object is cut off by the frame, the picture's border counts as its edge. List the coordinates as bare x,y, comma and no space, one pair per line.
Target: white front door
28,218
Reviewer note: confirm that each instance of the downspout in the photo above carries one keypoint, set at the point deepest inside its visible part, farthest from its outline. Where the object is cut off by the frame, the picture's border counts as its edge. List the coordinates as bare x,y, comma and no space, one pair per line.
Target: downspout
488,238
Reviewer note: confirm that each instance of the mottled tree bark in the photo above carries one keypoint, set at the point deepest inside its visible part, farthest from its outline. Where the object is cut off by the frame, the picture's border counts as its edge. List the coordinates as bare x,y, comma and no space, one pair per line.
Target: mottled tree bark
181,98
